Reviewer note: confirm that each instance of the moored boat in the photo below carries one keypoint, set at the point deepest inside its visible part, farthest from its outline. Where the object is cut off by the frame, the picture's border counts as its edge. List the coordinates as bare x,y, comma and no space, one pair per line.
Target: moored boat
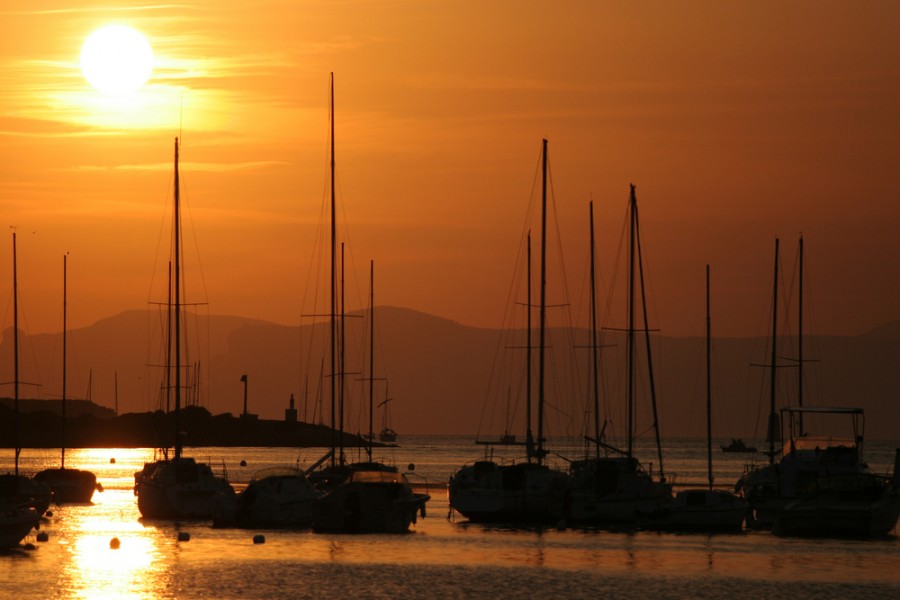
612,487
68,486
858,505
278,497
708,509
804,457
177,487
519,492
15,523
366,496
738,445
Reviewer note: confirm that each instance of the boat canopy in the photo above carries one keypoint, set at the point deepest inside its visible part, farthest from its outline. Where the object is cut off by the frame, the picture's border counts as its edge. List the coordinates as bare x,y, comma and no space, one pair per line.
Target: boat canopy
279,471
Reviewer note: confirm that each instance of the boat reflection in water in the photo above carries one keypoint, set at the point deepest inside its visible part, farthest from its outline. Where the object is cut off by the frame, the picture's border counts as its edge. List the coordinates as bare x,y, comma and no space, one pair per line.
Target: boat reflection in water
441,558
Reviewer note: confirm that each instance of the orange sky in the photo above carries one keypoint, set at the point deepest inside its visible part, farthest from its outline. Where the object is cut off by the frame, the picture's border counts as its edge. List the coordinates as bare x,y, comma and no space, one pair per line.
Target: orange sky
738,122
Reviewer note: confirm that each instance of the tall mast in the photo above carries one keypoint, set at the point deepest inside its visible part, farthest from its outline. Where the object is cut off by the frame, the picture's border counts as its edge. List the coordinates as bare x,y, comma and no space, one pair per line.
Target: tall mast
16,348
632,205
709,468
647,342
372,357
63,444
540,440
594,348
333,282
529,436
800,342
340,373
773,417
177,309
168,384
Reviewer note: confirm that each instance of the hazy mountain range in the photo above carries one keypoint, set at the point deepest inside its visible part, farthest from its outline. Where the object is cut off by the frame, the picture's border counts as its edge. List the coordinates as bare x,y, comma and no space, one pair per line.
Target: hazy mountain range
440,373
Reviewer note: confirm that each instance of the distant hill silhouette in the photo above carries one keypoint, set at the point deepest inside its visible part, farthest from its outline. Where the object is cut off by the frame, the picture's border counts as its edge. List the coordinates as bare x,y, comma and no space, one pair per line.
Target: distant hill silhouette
438,372
887,331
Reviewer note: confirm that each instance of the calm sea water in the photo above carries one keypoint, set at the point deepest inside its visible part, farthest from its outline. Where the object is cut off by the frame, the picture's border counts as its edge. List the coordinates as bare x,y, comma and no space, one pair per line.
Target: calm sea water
443,557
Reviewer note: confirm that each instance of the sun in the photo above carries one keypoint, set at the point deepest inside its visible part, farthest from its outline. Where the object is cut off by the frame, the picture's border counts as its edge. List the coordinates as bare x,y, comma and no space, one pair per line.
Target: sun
116,59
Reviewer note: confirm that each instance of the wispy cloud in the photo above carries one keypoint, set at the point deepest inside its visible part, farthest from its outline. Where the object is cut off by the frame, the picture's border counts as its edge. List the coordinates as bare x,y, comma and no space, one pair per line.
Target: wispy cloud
195,167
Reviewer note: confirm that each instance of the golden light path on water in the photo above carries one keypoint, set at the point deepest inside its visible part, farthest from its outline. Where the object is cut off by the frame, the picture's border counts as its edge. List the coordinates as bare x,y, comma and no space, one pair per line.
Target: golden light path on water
441,557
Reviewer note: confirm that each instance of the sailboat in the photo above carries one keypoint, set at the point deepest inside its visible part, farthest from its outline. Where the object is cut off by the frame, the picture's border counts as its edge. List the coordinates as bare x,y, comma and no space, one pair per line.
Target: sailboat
520,492
69,486
612,486
858,505
22,499
177,487
804,457
704,509
365,496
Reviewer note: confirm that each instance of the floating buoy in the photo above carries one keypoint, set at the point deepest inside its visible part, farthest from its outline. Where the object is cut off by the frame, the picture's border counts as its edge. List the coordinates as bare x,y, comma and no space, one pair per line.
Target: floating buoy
243,463
112,460
114,543
561,525
184,536
411,467
259,539
48,514
42,536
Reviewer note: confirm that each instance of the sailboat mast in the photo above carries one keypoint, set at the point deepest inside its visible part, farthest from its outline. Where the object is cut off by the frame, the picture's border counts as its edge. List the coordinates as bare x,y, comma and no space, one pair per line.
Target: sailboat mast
594,347
773,418
647,342
632,202
65,329
709,468
340,373
168,384
16,349
371,355
800,342
333,282
529,435
177,308
543,316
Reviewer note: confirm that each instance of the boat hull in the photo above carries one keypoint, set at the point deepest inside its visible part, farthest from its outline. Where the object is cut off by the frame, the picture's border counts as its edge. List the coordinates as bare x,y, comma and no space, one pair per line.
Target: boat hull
703,510
858,506
611,490
18,490
521,493
274,501
367,498
15,523
69,486
178,489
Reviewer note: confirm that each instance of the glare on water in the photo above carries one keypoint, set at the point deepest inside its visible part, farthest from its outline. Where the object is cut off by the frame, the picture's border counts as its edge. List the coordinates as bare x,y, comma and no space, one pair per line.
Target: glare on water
441,557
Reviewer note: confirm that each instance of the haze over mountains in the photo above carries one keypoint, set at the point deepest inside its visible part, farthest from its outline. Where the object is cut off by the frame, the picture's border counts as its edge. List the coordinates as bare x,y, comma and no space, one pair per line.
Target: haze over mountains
439,374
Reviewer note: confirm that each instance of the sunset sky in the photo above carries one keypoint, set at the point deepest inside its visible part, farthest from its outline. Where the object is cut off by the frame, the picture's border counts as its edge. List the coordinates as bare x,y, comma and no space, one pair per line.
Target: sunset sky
738,123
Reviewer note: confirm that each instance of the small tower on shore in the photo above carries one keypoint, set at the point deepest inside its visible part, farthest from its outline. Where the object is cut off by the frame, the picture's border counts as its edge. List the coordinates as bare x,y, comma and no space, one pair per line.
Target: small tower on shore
290,414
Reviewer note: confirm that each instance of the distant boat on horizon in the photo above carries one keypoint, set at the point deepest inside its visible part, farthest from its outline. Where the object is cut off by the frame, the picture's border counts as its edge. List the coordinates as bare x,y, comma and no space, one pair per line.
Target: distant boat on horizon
738,445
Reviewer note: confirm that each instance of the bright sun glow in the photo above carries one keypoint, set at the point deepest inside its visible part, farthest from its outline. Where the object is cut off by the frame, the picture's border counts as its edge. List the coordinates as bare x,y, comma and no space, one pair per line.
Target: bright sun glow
116,59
